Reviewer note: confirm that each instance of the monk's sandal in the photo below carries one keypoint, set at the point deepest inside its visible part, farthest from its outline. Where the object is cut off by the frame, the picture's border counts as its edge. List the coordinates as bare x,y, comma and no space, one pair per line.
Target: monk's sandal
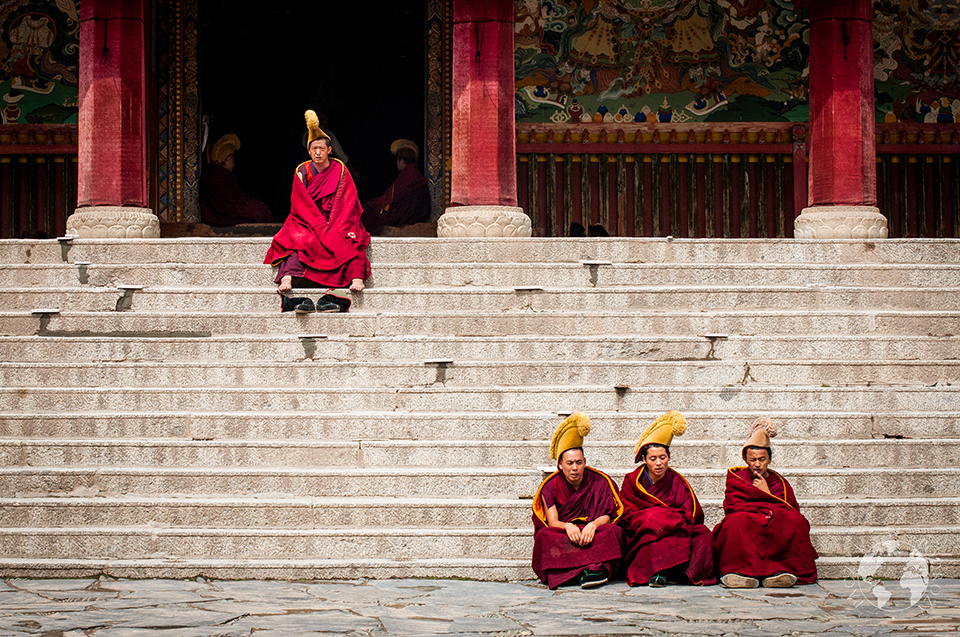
780,580
592,579
658,581
735,580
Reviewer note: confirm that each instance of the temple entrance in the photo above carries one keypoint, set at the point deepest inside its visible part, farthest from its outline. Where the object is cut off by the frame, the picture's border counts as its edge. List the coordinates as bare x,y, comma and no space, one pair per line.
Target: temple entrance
364,70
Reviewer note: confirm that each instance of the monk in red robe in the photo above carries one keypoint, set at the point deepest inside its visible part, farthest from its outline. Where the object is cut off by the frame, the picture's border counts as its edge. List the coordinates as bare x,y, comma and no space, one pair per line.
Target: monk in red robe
665,539
574,540
223,202
764,539
407,200
322,240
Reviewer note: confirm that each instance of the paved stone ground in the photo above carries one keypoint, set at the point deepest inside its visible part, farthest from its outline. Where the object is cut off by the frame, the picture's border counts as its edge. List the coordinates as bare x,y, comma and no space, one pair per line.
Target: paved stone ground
113,608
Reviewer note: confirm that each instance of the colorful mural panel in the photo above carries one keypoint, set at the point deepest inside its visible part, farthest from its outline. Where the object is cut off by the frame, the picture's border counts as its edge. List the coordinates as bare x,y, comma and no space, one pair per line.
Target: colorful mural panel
39,57
660,60
916,59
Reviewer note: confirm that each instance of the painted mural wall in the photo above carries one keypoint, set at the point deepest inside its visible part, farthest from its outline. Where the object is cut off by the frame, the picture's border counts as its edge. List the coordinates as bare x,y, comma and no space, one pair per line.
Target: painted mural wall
718,60
39,57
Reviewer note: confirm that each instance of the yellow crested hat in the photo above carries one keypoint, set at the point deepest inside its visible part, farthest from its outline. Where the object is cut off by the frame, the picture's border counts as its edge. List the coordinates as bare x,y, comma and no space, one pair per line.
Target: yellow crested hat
661,432
404,143
761,431
225,146
313,127
569,435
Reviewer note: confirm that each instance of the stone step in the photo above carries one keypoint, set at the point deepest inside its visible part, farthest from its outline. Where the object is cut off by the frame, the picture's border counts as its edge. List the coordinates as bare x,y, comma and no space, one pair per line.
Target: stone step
460,481
454,453
478,250
404,374
269,348
489,570
309,425
590,399
563,275
260,512
501,299
377,543
227,322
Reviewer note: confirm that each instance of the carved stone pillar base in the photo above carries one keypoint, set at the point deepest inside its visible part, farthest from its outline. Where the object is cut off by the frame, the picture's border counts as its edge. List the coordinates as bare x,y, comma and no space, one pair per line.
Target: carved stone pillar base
840,222
113,222
484,221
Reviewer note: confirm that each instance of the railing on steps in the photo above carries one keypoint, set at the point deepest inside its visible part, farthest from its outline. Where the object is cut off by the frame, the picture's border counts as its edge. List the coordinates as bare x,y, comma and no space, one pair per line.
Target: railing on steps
918,179
38,179
685,180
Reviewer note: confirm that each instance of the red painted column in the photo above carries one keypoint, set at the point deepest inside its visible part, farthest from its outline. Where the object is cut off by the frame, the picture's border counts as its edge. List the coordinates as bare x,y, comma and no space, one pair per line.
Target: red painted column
112,168
842,114
483,171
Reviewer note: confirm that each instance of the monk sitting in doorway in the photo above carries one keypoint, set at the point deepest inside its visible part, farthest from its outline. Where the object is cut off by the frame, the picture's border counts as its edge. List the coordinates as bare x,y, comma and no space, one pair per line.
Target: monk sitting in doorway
223,202
407,200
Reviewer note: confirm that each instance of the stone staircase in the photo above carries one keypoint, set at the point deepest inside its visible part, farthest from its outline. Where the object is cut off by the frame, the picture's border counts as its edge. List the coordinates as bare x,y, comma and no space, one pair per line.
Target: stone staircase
159,417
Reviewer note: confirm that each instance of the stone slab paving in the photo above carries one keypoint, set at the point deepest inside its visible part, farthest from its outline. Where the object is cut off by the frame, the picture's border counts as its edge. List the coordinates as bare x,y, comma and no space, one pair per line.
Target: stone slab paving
107,607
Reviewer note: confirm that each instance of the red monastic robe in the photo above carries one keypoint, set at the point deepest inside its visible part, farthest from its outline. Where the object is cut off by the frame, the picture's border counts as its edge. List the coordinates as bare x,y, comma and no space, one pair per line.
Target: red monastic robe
557,560
663,528
406,201
324,227
223,202
763,534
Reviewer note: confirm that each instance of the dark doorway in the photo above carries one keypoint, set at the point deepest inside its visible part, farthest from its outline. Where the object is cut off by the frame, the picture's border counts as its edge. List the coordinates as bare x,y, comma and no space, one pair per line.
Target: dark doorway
260,69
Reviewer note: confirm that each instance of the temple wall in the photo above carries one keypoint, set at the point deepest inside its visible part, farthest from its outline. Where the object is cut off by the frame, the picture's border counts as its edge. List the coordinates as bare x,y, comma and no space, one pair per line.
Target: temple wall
718,61
39,58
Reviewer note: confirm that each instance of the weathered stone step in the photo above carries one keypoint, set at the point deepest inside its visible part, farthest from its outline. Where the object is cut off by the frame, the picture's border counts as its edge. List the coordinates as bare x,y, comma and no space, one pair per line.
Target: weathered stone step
461,425
473,250
502,299
407,512
256,275
377,543
232,321
489,570
269,348
445,482
590,399
327,373
453,453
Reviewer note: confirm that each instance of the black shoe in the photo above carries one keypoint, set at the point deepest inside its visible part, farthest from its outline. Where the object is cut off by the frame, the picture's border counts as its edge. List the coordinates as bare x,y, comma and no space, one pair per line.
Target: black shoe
342,302
658,581
592,579
306,306
326,307
289,304
577,230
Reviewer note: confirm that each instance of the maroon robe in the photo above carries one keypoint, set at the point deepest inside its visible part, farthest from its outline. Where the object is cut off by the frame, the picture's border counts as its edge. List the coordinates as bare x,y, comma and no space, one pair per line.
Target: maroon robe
557,560
406,201
324,227
224,203
663,528
763,533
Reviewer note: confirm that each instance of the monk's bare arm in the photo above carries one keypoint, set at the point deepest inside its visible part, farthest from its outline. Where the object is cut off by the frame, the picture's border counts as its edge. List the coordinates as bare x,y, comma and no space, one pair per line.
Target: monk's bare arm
553,520
587,532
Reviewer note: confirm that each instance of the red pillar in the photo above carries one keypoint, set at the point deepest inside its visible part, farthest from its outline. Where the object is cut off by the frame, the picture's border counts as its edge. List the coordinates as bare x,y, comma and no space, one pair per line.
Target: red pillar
842,117
483,171
112,168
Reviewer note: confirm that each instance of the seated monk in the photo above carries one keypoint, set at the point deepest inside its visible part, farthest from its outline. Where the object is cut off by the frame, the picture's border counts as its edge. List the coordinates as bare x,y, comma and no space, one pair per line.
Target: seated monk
322,242
574,540
665,539
407,200
764,539
222,201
